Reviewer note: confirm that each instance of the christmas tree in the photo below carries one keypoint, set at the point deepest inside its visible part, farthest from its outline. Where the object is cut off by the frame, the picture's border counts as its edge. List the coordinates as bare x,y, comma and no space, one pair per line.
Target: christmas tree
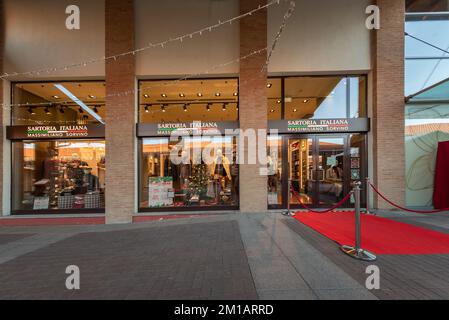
198,180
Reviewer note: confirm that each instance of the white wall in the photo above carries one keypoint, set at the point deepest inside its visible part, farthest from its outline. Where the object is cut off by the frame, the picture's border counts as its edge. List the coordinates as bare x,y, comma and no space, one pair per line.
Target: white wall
321,36
159,20
36,36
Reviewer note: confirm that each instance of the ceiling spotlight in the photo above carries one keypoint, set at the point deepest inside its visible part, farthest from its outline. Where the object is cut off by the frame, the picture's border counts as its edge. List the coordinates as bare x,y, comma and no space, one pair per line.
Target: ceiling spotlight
217,94
80,110
182,95
294,110
163,108
56,97
272,110
163,95
269,85
91,96
95,109
31,111
224,106
279,101
199,94
305,100
185,108
208,107
47,111
146,109
146,95
235,94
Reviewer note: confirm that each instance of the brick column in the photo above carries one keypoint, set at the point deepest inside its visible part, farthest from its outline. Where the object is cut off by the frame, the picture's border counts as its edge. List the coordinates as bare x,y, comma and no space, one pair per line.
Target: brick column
120,113
388,102
253,101
2,131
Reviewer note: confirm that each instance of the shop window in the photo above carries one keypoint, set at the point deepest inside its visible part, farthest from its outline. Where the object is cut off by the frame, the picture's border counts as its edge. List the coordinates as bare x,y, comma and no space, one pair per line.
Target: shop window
327,97
274,163
274,99
165,101
194,172
59,174
58,102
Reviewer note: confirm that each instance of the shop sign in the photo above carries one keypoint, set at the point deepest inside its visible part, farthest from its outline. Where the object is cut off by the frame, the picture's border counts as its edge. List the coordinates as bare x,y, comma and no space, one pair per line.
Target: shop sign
55,132
321,125
184,128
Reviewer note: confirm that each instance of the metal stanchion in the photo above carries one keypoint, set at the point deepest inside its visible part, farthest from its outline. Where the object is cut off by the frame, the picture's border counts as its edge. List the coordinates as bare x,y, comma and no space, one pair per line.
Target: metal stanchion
367,195
288,212
357,252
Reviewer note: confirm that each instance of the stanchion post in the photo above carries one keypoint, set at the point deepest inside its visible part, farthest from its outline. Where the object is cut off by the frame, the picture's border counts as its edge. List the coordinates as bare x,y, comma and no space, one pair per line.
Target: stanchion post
357,252
367,193
289,191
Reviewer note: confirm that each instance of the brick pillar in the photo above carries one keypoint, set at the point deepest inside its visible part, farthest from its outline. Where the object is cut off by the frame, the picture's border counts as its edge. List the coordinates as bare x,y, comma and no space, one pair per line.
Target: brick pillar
2,131
388,102
120,113
253,101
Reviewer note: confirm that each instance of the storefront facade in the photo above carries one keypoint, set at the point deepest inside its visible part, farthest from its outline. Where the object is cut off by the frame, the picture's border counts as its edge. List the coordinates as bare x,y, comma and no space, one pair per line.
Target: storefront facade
78,144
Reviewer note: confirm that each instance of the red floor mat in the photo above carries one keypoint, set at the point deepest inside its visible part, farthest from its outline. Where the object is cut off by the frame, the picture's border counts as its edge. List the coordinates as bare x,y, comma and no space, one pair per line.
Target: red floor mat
379,235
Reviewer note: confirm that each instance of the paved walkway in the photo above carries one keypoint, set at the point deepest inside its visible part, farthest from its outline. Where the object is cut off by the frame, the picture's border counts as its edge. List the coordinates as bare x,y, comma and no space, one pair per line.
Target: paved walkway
233,256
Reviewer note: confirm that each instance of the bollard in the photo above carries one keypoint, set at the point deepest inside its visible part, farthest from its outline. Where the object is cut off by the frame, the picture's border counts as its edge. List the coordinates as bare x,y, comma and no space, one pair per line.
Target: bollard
357,252
288,212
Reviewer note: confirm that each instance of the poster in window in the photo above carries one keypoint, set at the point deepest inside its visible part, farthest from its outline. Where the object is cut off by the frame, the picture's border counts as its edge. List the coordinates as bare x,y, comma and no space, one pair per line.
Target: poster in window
355,163
355,174
41,203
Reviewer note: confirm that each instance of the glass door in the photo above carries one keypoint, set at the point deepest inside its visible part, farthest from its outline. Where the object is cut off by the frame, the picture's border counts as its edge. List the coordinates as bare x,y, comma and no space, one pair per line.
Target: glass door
332,178
318,170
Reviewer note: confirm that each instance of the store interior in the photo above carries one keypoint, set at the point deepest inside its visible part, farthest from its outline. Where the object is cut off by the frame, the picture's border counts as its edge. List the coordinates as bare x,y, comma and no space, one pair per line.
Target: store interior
59,174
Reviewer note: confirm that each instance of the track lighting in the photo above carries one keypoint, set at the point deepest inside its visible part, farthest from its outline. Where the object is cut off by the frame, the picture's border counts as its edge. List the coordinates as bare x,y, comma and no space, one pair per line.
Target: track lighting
217,94
146,109
269,85
163,95
199,94
182,95
185,108
224,106
163,108
208,107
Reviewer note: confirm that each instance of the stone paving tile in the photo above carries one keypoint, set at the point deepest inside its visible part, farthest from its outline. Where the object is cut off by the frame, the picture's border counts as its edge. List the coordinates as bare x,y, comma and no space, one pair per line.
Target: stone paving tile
6,238
200,260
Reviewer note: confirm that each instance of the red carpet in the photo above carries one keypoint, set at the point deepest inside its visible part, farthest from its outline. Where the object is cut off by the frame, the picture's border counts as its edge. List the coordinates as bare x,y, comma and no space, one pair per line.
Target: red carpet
379,235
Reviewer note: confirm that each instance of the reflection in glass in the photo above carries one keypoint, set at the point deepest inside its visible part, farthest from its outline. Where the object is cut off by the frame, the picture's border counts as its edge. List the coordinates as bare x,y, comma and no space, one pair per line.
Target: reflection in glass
59,103
58,175
301,173
330,170
197,171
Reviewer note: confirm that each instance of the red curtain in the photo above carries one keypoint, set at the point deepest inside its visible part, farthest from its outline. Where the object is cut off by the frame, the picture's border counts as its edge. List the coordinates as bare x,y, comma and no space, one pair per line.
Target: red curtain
441,186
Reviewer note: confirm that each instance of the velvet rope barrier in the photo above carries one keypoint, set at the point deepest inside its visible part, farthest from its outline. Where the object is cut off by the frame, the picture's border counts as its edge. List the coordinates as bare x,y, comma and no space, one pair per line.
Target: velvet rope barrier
324,211
402,208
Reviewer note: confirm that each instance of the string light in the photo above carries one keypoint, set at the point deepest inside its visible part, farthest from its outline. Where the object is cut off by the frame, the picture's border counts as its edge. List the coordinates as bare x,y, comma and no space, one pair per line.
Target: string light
287,15
161,44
